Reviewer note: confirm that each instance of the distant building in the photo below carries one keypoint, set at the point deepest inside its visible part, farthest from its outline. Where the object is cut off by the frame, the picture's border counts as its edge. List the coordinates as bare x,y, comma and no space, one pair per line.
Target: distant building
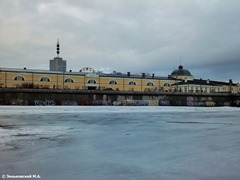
58,64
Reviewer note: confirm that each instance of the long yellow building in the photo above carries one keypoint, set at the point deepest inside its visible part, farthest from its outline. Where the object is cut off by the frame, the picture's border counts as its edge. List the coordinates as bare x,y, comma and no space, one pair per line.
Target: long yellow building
87,78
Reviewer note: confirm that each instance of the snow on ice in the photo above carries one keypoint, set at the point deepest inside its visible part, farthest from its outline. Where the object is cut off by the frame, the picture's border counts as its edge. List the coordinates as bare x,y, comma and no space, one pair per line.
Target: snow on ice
120,142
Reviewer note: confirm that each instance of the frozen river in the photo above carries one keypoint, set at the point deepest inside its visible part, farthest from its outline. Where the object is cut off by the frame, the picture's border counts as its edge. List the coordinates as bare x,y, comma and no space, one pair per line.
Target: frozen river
121,143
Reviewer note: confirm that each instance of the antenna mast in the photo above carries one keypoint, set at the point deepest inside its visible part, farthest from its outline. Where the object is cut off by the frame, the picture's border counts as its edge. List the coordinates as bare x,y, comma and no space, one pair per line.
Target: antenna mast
58,48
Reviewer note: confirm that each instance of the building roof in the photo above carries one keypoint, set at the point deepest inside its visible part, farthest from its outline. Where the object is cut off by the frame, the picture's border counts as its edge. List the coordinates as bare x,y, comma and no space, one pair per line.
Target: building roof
136,76
181,72
204,82
113,75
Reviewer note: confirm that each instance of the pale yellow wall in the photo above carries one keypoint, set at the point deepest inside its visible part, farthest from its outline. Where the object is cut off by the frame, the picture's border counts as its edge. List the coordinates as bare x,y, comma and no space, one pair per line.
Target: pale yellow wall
167,88
104,83
10,79
2,79
226,88
234,89
80,82
136,87
77,84
51,84
155,87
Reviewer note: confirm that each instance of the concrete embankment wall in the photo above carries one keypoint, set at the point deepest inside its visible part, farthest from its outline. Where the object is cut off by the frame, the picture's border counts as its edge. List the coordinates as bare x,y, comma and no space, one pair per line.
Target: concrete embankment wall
86,97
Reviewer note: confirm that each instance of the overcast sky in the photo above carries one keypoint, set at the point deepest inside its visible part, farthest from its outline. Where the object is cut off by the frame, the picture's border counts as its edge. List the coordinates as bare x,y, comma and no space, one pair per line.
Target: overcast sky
148,36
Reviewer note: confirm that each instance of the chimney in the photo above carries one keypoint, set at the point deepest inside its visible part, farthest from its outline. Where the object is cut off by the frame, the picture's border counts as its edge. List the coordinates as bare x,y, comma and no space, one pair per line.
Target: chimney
143,75
153,75
128,74
70,70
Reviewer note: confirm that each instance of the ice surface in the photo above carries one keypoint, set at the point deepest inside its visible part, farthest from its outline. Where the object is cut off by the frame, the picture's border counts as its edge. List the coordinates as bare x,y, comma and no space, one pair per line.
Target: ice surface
120,142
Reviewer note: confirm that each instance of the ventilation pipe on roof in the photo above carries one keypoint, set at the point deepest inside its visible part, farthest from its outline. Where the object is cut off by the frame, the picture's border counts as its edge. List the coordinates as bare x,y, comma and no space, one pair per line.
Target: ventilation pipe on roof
208,81
230,83
153,75
143,75
128,74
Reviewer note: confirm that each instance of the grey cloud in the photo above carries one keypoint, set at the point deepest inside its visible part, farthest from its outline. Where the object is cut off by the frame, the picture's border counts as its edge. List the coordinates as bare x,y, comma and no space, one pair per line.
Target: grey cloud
138,36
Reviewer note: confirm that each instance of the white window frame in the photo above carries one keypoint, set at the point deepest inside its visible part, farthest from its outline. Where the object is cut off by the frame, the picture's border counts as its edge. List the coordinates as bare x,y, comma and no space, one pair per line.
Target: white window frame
45,79
132,83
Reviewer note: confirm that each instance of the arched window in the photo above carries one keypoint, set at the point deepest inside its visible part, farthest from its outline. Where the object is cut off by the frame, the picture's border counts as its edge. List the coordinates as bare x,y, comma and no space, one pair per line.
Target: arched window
166,85
45,79
150,84
113,82
19,78
132,83
92,81
69,80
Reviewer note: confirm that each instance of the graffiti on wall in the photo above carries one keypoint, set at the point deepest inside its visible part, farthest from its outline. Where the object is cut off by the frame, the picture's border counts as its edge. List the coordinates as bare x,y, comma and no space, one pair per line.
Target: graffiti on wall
164,102
18,102
140,103
69,103
117,103
44,103
97,102
102,102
